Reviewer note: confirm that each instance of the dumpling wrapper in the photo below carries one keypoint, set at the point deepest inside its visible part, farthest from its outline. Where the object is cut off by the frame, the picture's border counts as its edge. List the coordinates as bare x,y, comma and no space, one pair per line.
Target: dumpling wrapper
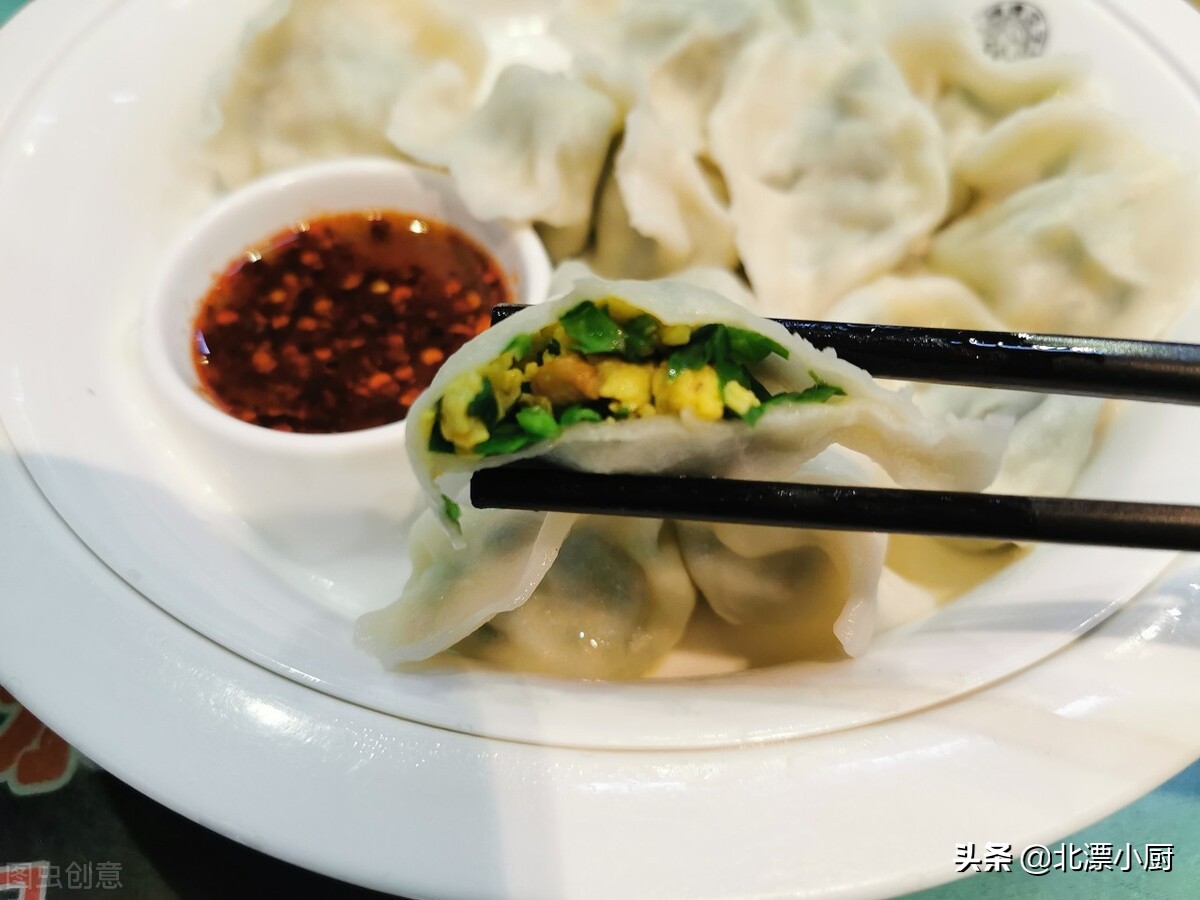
880,423
533,151
835,171
662,209
316,80
968,92
501,557
616,600
802,585
1053,435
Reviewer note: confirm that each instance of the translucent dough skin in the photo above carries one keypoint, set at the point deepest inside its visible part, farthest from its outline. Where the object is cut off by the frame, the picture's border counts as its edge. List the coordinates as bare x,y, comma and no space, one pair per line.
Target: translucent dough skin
885,425
503,558
316,80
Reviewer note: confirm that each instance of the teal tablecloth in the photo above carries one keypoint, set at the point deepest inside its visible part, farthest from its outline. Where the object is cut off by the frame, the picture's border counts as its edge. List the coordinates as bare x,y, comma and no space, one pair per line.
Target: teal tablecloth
1169,815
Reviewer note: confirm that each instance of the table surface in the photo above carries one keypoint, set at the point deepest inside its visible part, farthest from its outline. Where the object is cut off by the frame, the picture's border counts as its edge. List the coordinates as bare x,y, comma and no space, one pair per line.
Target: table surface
102,837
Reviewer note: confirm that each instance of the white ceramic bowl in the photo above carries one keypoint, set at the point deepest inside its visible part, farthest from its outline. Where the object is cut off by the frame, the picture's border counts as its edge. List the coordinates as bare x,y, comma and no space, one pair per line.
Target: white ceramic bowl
291,482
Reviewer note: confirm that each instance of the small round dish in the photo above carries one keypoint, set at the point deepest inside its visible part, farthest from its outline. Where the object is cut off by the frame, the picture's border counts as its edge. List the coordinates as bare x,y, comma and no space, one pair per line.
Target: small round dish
285,476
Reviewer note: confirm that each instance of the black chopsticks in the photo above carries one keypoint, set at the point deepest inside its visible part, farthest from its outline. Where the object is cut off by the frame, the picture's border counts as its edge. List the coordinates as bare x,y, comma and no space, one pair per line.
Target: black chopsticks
830,507
1048,363
1142,370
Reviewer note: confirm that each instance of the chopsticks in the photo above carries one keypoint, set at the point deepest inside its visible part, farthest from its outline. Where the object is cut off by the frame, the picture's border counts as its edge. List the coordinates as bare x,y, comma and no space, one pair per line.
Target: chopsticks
836,508
1154,371
1142,370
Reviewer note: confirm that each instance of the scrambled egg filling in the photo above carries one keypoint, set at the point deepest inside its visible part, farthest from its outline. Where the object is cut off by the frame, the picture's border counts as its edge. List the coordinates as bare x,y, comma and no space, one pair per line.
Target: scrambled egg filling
606,360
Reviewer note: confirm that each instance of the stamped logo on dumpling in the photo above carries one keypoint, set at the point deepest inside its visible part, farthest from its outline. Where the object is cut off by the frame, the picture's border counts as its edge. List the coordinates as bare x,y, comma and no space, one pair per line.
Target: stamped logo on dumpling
1012,31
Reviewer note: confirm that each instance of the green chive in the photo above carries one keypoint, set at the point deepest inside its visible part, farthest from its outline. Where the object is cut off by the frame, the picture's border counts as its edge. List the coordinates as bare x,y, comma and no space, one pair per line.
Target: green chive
519,346
691,357
747,347
508,437
572,415
641,337
484,406
453,511
438,443
821,392
538,422
592,329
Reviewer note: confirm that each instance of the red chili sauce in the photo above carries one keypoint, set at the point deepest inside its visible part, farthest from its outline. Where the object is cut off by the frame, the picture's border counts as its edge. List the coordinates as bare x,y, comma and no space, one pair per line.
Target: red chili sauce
339,323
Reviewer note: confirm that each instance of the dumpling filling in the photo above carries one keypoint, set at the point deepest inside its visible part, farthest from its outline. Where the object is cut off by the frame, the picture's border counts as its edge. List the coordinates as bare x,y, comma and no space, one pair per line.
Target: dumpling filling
606,360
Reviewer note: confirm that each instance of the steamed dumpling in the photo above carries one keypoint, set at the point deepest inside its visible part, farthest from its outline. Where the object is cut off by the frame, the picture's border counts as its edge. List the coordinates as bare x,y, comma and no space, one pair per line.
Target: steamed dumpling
532,152
1051,139
316,80
1053,435
1051,440
663,209
1074,225
641,377
668,55
968,92
615,602
804,585
622,409
835,171
922,300
454,590
1077,254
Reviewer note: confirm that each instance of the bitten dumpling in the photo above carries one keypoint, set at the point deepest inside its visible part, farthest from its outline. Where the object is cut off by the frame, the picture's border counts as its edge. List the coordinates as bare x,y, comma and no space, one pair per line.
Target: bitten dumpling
640,377
667,377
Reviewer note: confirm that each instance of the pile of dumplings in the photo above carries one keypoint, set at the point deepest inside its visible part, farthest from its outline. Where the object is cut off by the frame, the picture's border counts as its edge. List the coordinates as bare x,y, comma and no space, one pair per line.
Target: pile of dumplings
805,158
808,145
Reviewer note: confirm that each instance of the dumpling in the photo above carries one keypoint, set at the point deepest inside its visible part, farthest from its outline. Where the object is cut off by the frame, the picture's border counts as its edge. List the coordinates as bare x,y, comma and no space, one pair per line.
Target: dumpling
637,377
669,55
1074,225
532,152
835,171
663,209
804,585
667,377
929,301
316,80
710,278
1051,139
1078,254
1053,435
615,602
1051,440
453,590
968,92
575,596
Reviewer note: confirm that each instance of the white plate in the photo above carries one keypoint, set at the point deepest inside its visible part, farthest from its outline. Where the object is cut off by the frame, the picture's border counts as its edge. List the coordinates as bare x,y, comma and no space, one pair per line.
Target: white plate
394,804
145,497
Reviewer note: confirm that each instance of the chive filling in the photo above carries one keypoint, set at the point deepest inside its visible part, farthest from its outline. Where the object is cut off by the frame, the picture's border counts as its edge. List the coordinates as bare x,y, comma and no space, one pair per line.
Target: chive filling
606,360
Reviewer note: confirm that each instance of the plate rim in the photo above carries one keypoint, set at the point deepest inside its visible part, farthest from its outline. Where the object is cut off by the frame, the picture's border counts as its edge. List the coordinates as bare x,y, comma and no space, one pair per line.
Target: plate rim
137,625
452,701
